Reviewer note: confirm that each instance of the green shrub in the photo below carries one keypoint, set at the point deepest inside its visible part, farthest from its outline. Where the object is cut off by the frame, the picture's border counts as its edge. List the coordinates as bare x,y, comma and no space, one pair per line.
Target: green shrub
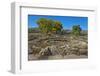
76,30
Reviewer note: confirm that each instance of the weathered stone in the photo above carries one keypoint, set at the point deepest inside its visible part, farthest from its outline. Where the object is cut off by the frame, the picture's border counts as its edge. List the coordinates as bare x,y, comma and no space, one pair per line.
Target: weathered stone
54,50
74,51
65,50
55,45
35,49
82,45
79,44
50,50
83,51
45,52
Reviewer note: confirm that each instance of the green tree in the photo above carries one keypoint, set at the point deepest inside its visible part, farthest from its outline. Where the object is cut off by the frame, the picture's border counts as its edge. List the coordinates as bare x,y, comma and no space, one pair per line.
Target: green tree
44,25
76,30
42,22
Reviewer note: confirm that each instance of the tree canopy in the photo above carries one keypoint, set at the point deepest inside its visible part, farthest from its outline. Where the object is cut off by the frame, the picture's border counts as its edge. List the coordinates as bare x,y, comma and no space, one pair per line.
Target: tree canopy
48,25
53,26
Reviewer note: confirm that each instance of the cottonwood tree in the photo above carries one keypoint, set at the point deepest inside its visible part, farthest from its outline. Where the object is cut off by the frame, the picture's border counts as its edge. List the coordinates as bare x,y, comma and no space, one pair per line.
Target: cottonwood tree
48,25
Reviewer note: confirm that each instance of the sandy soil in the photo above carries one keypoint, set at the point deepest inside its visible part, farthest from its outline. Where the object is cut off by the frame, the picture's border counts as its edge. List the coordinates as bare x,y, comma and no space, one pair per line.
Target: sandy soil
36,57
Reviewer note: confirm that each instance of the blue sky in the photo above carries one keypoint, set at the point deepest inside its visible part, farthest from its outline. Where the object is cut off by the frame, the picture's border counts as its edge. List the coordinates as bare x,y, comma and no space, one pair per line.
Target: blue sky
67,21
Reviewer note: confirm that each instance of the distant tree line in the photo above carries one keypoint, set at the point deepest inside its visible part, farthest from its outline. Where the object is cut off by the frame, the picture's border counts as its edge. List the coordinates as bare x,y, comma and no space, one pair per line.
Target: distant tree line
52,26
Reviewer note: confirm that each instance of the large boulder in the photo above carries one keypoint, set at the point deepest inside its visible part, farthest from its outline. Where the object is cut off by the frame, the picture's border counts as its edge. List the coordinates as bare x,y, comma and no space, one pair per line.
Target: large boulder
79,44
82,45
